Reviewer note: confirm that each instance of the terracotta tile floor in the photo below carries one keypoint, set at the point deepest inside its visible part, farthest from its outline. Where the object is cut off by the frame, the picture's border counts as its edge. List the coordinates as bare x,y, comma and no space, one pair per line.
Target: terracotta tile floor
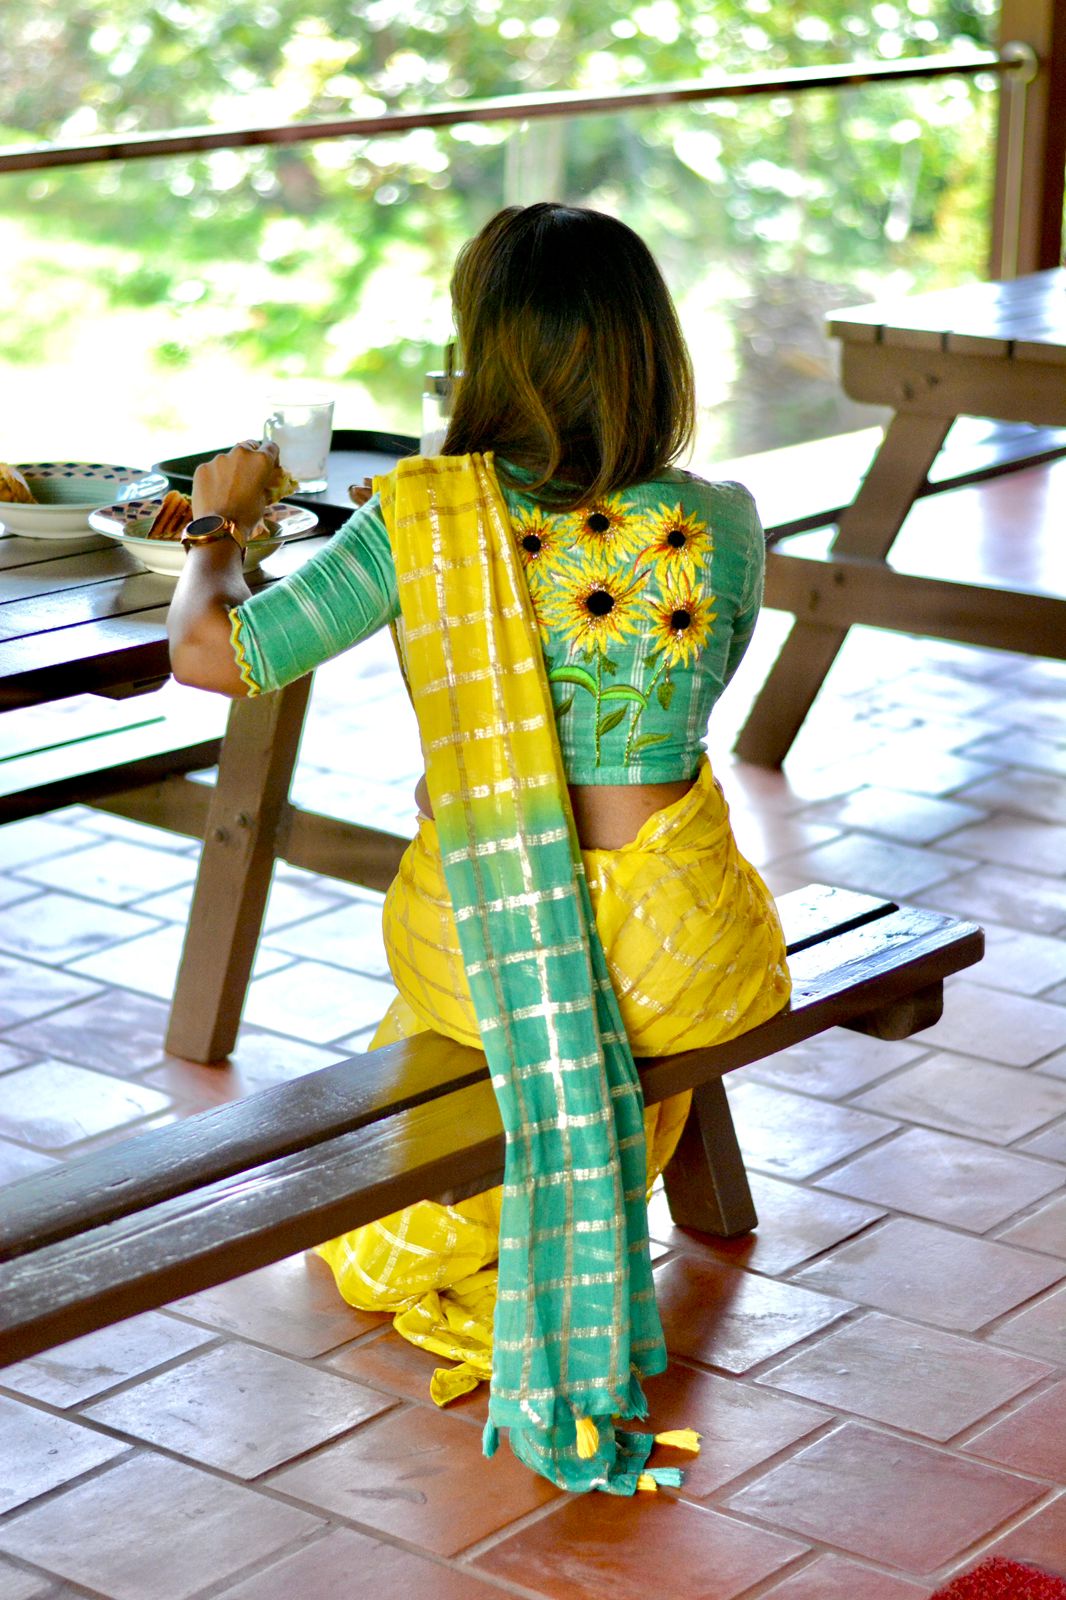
879,1372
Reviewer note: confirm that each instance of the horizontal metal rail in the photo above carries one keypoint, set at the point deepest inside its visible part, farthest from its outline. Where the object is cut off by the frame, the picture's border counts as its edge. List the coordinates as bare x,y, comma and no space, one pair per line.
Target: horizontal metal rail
510,108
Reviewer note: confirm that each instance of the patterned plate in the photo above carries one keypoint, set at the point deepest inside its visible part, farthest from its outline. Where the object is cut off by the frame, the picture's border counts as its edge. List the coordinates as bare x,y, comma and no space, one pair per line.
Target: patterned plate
67,491
128,521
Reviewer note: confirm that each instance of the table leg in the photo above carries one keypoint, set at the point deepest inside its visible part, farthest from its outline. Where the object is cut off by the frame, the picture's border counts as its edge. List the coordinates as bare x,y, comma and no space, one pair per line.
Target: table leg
868,528
248,810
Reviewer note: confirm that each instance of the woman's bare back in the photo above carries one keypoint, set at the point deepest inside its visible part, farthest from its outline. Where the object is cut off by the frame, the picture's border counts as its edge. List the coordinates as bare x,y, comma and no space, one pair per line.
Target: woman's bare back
607,815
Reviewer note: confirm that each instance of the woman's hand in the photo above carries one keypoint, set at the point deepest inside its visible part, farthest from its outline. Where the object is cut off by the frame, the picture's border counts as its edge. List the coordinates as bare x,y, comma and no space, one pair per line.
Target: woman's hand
235,485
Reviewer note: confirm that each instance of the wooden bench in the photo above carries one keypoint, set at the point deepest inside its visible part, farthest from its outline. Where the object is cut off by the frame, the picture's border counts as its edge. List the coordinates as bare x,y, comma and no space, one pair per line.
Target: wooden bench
801,487
182,1208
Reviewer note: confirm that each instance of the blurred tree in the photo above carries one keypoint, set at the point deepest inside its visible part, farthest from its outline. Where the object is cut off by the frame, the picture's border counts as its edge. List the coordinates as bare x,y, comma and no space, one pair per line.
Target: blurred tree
334,258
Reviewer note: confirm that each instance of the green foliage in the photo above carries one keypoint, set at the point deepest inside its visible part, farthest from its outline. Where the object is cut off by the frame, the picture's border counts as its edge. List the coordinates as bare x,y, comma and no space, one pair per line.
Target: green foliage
334,258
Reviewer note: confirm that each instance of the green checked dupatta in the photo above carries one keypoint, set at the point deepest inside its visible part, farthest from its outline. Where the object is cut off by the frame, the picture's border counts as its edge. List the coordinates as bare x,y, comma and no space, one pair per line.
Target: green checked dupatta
576,1324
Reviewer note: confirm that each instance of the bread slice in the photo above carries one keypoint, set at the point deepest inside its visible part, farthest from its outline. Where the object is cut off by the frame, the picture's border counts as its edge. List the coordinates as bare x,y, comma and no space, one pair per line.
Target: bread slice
281,484
175,513
14,488
172,518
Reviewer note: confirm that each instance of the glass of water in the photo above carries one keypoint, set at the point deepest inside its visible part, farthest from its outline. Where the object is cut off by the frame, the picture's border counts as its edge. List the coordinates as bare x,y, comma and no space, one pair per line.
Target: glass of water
302,429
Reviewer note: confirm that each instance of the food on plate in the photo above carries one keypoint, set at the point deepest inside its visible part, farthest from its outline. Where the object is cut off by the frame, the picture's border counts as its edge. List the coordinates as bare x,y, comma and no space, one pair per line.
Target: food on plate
172,518
281,484
13,486
175,513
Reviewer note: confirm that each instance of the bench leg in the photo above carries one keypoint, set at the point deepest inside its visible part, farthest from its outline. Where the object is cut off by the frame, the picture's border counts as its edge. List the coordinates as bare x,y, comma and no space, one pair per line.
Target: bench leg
868,528
706,1185
249,810
900,1018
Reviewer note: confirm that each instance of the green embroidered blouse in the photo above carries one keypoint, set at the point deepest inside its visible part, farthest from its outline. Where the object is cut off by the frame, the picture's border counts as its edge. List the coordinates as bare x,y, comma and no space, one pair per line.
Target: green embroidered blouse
646,601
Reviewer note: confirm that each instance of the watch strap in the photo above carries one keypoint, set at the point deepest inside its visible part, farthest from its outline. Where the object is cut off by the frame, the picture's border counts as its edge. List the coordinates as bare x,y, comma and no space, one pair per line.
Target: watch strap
210,529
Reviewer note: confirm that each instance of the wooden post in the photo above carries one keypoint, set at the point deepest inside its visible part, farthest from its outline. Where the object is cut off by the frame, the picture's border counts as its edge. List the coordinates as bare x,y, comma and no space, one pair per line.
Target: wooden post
867,528
248,812
1027,213
706,1185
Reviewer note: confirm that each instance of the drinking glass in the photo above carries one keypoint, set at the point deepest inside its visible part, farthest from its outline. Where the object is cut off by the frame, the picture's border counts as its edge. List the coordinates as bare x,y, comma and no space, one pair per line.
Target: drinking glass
436,411
302,429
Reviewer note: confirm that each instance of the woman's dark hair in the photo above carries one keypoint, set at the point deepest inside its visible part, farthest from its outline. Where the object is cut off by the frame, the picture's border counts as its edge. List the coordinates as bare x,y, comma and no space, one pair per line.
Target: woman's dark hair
575,365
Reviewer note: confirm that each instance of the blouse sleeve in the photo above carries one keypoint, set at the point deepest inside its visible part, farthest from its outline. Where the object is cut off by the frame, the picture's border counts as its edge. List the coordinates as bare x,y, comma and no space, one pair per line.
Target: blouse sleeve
344,593
751,594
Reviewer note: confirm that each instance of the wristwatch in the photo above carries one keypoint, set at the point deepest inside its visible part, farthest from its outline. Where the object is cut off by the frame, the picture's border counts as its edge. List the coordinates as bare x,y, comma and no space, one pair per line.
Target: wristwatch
210,529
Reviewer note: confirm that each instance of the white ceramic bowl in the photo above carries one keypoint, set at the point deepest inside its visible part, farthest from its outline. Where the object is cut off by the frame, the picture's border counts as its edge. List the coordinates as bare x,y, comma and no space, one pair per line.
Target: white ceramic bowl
128,523
67,492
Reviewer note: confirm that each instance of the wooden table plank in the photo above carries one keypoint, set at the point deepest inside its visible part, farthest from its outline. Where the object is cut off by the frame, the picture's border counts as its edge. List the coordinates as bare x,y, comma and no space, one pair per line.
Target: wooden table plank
89,602
995,304
88,658
1026,349
984,350
67,573
938,384
19,552
843,592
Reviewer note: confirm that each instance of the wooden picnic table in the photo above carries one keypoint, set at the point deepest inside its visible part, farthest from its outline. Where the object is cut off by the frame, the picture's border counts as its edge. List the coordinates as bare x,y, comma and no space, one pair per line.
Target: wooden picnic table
83,618
995,350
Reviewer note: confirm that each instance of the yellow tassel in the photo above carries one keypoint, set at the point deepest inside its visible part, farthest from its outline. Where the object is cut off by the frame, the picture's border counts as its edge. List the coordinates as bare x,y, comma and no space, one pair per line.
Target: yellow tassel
588,1438
647,1482
681,1439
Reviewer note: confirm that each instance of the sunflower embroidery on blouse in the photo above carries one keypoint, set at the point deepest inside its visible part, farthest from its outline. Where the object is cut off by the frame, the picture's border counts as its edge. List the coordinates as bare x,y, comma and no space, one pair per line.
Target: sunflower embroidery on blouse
592,606
538,538
610,526
680,542
592,575
680,619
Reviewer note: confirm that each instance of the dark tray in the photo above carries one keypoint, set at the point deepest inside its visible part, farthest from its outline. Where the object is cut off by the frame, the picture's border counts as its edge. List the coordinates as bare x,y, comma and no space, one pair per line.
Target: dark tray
356,453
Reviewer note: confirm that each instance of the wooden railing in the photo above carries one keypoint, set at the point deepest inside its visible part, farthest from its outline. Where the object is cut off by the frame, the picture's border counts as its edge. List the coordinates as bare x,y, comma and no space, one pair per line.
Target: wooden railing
509,108
1027,222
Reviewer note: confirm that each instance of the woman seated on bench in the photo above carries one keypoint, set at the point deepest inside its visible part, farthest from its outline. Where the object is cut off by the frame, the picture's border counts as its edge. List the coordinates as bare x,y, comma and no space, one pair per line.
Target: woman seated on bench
568,606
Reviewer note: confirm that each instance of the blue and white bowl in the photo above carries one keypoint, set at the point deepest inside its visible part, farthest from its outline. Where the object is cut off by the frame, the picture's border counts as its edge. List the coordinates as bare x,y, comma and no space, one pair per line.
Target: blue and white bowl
128,523
67,492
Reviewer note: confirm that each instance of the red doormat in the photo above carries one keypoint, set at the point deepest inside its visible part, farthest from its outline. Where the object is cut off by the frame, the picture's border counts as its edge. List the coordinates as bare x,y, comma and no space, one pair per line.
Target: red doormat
1004,1580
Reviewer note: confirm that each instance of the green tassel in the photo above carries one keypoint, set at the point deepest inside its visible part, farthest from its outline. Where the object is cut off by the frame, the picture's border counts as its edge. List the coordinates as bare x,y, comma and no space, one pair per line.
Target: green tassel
637,1405
624,1483
490,1439
672,1477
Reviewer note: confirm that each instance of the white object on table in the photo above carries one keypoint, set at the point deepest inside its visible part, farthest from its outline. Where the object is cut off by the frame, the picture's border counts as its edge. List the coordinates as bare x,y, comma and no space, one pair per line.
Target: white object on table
436,412
303,432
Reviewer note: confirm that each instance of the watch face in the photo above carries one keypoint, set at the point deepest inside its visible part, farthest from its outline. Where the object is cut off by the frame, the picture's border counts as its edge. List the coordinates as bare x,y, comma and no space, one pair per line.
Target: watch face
200,527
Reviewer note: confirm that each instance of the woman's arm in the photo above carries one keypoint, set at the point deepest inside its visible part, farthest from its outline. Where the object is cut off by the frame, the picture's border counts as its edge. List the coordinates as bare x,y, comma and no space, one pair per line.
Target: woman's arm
198,625
237,643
